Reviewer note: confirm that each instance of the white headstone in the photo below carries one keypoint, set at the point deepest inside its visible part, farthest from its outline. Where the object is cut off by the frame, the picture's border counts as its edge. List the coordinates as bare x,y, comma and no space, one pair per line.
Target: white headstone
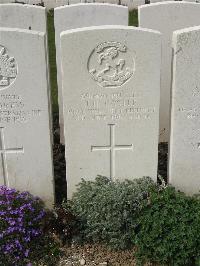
73,2
23,16
184,163
25,146
156,1
6,1
33,2
86,15
29,2
88,1
26,17
111,86
51,4
132,4
167,17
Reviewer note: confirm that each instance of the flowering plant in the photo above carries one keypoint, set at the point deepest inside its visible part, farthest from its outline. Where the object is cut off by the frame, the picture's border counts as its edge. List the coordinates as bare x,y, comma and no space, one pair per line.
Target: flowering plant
21,218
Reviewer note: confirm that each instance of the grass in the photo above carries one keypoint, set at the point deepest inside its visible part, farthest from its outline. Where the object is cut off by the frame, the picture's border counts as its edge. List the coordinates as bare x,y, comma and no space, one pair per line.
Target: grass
52,61
133,21
133,18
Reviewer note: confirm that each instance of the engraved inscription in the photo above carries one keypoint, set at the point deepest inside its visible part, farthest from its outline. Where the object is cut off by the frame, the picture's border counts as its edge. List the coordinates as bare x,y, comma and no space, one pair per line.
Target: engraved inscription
3,153
121,105
8,68
111,64
196,92
194,138
190,112
195,146
13,109
112,148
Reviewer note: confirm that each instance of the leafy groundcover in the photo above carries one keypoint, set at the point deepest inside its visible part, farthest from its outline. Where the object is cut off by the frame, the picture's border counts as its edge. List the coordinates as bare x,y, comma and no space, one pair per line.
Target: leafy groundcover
139,220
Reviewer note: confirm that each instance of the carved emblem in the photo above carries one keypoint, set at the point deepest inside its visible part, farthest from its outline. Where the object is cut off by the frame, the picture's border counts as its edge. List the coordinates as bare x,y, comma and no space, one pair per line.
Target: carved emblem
8,68
111,64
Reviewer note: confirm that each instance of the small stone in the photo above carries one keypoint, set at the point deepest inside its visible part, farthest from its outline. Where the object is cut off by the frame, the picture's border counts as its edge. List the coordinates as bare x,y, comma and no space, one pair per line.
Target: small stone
82,262
103,264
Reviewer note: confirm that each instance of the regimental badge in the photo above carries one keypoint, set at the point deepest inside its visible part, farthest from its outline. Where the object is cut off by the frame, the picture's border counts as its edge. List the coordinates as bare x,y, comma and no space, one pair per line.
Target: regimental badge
8,68
111,64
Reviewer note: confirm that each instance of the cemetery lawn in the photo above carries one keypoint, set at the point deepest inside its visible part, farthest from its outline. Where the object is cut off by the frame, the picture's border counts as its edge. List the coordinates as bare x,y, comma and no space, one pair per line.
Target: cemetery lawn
133,21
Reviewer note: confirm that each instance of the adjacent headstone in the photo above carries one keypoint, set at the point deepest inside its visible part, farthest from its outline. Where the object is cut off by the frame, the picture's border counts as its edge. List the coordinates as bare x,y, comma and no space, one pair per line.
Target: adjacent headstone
51,4
184,165
25,146
73,2
23,16
86,15
156,1
88,1
26,17
33,2
132,4
5,1
167,17
111,98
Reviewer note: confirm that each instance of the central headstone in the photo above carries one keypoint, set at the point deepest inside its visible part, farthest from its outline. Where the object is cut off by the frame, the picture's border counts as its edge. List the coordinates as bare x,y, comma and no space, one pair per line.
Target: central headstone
111,96
78,16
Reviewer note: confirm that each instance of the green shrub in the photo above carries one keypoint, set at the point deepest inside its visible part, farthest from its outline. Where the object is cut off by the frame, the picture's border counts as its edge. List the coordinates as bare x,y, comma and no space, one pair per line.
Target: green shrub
168,229
107,210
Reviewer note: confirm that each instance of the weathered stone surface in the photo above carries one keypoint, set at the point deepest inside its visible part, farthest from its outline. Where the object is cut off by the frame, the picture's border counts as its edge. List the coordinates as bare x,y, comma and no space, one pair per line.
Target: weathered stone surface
132,4
73,2
5,1
23,16
86,15
111,82
32,2
167,17
25,146
184,166
27,17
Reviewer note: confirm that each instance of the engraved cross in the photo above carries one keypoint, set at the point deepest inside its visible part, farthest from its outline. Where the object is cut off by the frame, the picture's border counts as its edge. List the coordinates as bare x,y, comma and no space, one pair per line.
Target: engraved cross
112,148
3,152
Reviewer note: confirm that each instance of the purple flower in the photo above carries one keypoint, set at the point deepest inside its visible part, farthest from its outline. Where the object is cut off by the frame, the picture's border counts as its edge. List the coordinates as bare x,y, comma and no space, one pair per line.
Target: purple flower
27,239
26,253
21,215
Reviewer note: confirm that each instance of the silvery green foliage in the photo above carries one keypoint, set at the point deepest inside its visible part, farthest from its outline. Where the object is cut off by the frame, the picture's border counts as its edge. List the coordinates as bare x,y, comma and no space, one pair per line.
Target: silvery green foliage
108,210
